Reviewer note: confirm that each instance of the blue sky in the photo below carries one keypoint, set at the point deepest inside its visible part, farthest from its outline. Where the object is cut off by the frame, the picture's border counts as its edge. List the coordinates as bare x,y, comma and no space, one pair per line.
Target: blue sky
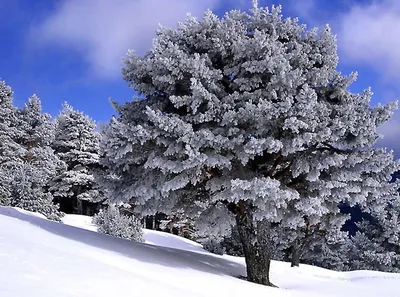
70,50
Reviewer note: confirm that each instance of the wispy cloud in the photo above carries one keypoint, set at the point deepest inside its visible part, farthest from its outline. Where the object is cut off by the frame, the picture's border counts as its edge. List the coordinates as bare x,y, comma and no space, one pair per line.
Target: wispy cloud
369,34
303,9
102,31
390,132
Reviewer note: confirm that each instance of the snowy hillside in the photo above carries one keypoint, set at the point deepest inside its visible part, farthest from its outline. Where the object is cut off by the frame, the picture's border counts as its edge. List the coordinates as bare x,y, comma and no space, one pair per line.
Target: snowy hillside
151,237
43,258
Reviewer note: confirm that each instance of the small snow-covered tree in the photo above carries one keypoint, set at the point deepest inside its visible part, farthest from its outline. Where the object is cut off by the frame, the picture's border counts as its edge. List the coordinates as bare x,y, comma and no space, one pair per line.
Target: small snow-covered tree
326,248
245,120
112,222
8,124
77,144
8,147
376,245
28,191
37,164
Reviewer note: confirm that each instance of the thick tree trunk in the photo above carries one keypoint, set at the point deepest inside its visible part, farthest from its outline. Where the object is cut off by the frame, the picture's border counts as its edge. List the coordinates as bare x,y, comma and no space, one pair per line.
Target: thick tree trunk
256,248
296,254
79,206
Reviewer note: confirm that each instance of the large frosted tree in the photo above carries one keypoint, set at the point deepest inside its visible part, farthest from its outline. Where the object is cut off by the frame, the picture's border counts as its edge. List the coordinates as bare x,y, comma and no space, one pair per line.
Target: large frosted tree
245,120
77,144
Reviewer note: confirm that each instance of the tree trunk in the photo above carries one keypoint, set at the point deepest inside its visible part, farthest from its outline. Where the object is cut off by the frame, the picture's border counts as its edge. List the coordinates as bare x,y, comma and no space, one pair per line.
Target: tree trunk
296,254
256,247
79,205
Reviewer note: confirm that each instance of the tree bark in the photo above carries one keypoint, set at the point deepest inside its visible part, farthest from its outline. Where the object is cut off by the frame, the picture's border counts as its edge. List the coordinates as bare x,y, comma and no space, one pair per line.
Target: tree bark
171,224
296,254
79,206
256,247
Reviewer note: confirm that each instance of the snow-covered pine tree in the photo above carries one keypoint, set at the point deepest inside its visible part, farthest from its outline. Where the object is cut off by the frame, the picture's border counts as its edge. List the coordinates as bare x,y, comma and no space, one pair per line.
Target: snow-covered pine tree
245,120
77,144
36,164
8,146
305,239
324,245
376,245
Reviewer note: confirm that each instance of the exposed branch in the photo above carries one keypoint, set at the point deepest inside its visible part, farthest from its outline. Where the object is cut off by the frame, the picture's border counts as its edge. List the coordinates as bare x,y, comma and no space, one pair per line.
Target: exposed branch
336,150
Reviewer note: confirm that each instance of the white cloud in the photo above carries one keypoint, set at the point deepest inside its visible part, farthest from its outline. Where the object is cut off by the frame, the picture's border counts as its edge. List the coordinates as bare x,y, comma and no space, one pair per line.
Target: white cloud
102,31
369,34
390,132
303,9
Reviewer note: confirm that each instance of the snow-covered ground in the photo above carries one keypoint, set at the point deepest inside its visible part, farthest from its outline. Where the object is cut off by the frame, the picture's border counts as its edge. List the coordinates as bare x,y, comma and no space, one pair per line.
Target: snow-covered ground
152,237
39,258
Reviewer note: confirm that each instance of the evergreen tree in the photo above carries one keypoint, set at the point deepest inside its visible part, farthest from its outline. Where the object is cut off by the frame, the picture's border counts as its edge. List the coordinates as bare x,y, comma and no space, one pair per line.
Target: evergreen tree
36,164
245,120
376,245
8,146
77,144
327,249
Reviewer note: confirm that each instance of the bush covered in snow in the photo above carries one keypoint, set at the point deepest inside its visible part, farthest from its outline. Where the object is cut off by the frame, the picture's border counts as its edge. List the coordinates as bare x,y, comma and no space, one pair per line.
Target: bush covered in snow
112,222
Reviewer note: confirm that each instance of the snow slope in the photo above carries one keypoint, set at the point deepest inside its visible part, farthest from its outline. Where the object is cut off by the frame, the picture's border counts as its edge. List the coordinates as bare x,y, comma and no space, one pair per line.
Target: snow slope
43,258
151,237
